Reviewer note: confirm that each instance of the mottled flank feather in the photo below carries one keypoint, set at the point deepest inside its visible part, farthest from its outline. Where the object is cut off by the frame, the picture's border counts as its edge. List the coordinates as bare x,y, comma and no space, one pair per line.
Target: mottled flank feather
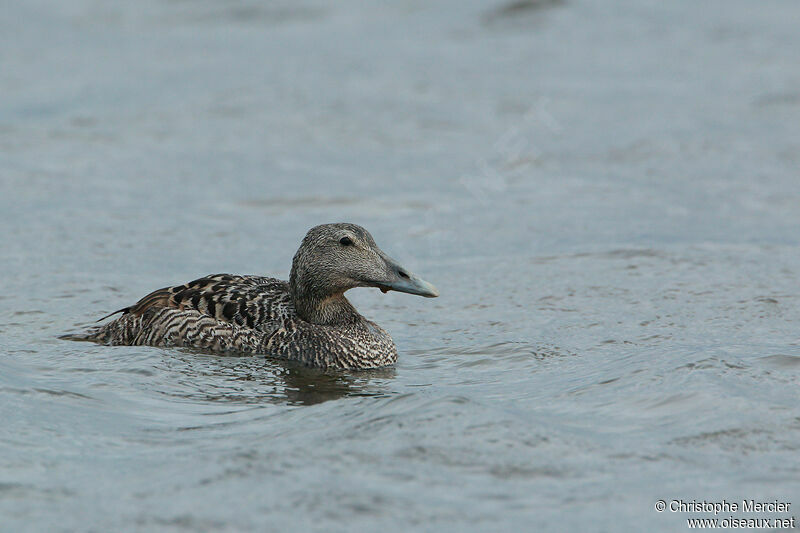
232,314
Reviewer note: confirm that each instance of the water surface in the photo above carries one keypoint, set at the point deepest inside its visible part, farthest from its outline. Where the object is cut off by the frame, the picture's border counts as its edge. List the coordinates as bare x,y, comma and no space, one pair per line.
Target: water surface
605,193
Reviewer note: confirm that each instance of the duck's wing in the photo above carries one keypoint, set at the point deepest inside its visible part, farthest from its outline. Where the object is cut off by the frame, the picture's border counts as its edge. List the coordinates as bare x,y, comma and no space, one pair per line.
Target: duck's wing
249,301
171,327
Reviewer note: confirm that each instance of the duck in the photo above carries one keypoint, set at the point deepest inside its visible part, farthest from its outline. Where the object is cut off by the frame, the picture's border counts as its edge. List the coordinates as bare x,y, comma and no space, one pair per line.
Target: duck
307,319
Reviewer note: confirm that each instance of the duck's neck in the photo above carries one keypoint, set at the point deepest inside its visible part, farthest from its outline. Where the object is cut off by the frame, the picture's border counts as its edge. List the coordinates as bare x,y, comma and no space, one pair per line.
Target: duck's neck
330,310
318,304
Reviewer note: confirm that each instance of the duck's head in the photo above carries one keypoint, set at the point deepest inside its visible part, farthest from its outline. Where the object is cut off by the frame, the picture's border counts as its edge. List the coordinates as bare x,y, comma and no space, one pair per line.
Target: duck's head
336,257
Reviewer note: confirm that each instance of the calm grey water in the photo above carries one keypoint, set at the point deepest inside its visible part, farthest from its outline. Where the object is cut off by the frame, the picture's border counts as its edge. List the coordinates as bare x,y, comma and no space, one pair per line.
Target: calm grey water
607,195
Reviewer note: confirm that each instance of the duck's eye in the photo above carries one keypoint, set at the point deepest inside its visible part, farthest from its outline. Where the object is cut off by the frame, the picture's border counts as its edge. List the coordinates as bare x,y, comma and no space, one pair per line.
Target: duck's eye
346,241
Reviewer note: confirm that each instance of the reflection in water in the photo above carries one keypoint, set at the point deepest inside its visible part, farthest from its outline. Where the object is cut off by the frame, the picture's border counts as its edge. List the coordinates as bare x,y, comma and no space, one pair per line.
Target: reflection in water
308,386
254,380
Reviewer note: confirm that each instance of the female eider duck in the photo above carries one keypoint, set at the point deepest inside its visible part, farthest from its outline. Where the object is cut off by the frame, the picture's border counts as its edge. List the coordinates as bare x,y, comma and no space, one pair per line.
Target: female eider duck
307,319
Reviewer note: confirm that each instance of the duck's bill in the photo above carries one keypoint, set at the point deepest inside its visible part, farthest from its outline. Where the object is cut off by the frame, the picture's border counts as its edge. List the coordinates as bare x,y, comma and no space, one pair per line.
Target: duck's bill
401,280
412,285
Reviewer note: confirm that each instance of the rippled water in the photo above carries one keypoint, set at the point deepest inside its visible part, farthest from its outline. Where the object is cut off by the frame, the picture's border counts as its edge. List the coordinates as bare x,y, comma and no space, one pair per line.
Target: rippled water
605,193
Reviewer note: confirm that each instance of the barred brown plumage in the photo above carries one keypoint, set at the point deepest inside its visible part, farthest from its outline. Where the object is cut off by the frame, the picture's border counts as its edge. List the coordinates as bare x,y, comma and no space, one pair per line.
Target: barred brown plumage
307,319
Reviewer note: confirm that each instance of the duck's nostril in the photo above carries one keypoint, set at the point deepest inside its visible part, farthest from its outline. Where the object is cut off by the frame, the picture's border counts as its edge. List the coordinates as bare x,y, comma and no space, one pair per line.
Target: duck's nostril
402,274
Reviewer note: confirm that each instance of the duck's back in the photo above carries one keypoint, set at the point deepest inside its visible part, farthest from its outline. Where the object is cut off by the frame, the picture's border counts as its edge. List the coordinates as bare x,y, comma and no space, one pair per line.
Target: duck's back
254,302
221,312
